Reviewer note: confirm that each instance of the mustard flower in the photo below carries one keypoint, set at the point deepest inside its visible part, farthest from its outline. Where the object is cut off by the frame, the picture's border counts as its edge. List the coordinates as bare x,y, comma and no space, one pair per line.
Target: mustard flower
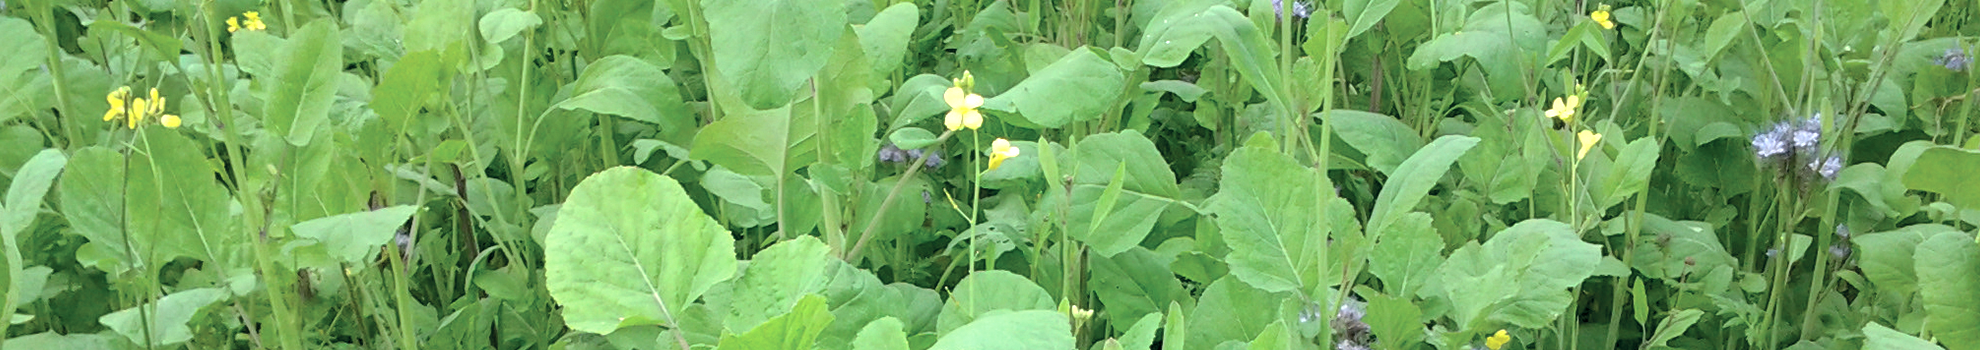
1564,109
1497,340
253,22
962,109
1588,140
1001,150
134,111
1601,16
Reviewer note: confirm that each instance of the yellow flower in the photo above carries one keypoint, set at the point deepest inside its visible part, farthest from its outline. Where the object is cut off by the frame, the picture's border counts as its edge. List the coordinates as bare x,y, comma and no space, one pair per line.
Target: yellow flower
1497,340
253,22
233,24
169,121
1001,150
1564,110
1588,140
139,108
1602,17
116,99
962,109
157,103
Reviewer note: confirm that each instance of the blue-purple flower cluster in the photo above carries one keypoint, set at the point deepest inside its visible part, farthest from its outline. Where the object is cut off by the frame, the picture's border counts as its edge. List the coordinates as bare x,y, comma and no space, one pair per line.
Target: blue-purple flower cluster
893,154
1954,59
1796,142
1300,9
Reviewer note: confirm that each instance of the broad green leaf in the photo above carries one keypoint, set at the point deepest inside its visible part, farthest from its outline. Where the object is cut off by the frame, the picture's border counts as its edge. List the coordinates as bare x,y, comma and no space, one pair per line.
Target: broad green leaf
1510,155
1177,31
1228,311
754,144
767,49
1665,246
1011,330
1521,275
1250,52
1274,337
881,334
792,331
1413,179
1629,175
167,317
1363,14
630,87
1141,336
1886,257
504,24
159,47
1497,35
985,291
1949,281
1907,17
1385,140
1265,209
444,27
1189,92
355,237
408,86
1078,87
630,248
24,195
175,199
1407,255
91,198
23,84
885,38
1946,170
1878,337
776,279
911,138
304,82
1147,190
1395,320
1727,28
1134,283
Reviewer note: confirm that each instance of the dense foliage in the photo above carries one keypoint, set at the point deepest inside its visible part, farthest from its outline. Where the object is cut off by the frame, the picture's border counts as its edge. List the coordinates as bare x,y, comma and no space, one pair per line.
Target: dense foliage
976,174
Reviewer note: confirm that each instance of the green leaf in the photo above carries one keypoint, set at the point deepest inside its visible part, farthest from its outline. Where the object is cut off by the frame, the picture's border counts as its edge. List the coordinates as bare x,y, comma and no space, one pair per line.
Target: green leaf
1907,17
633,88
792,331
505,23
167,317
1250,52
911,138
1147,190
1077,87
1177,31
1228,311
1886,257
985,291
1665,246
1945,169
1016,330
159,47
1629,175
1264,207
1496,35
174,197
1878,337
1727,28
1141,336
1134,283
1674,326
444,27
24,195
882,334
24,84
754,144
355,237
1395,320
1949,281
630,248
1521,275
1363,14
885,38
1385,140
767,49
91,198
407,87
1174,334
776,279
1407,255
1413,179
305,82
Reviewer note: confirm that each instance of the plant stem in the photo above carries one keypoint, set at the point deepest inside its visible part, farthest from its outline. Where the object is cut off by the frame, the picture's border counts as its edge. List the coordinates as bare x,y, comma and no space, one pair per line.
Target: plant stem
866,235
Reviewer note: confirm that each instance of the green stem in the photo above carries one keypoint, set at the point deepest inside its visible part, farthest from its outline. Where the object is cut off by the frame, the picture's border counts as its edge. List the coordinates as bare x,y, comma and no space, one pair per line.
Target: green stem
866,235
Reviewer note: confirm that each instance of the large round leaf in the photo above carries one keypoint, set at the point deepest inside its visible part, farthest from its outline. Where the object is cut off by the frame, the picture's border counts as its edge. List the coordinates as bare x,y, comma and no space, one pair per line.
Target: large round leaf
630,247
767,49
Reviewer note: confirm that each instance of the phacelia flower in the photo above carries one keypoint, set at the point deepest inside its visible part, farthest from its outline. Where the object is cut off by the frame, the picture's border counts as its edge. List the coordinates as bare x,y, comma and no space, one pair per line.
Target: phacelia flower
1001,150
962,105
253,22
134,111
1349,328
892,154
1497,340
1601,16
1827,167
1300,9
1564,109
1588,140
1954,59
934,161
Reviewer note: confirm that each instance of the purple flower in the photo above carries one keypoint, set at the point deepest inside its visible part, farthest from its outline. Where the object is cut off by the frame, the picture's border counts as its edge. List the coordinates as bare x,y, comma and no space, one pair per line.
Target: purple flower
1842,231
1839,251
934,161
1769,144
1826,167
1300,9
892,154
1954,59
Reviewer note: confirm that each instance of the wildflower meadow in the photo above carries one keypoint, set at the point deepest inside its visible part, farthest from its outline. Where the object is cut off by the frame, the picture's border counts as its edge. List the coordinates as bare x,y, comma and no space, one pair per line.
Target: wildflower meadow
990,174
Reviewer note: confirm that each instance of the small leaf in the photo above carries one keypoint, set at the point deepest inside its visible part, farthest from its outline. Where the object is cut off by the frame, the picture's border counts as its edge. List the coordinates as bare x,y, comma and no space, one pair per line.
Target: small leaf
167,317
1413,178
633,88
355,237
1385,140
1077,87
911,138
504,24
1363,14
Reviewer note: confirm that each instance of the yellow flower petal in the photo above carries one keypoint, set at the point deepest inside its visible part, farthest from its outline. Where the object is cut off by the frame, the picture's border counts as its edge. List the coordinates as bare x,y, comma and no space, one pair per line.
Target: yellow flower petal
1001,150
233,24
1574,101
1588,140
1497,340
1563,109
170,121
1602,17
954,120
955,97
157,103
973,101
972,119
254,21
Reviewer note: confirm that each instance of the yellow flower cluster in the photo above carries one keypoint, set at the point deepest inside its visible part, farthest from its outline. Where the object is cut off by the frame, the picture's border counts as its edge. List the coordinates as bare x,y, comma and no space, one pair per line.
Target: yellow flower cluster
1497,340
133,111
963,104
1564,109
253,22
